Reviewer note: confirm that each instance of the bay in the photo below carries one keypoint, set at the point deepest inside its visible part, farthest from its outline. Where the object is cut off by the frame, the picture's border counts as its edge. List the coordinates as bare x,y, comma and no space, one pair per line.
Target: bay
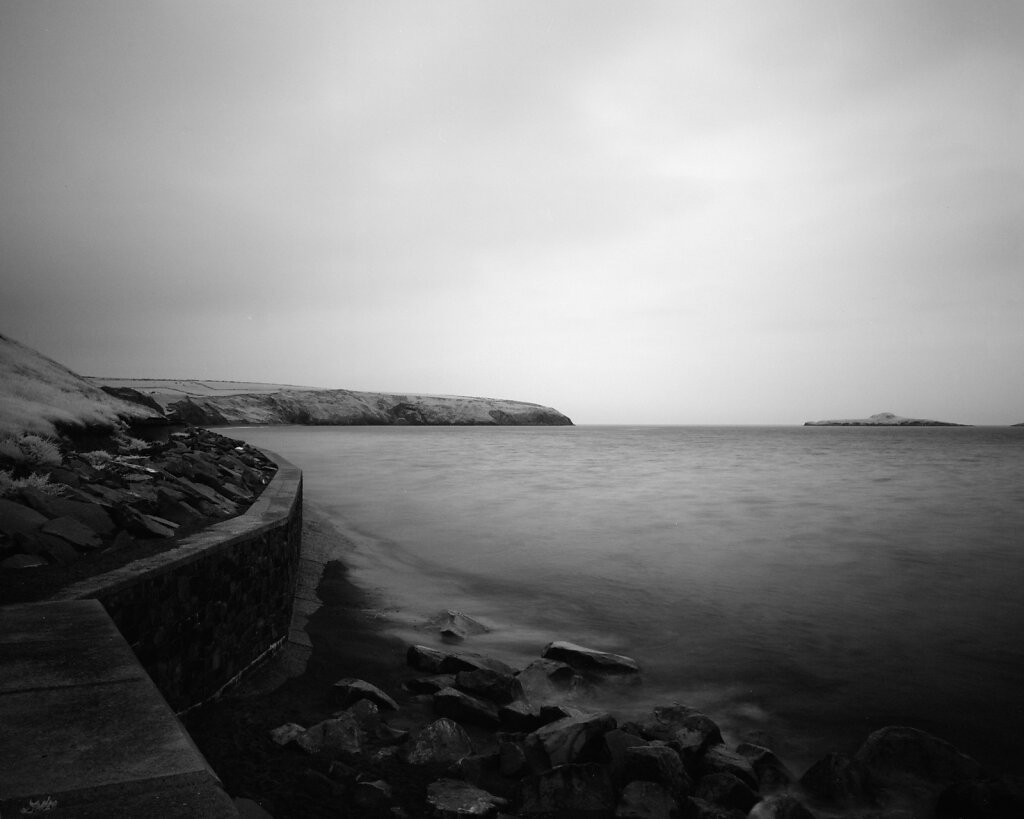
803,585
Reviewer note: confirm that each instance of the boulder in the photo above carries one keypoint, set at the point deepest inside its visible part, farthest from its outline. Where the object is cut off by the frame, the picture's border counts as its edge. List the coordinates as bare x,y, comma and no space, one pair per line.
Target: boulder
455,626
719,759
452,799
448,662
616,743
372,796
493,685
579,791
688,730
350,690
339,736
365,713
588,659
18,519
450,702
726,790
782,806
286,733
17,562
893,754
548,680
73,531
568,739
836,779
521,716
658,763
439,744
511,759
429,685
646,800
91,514
694,808
772,773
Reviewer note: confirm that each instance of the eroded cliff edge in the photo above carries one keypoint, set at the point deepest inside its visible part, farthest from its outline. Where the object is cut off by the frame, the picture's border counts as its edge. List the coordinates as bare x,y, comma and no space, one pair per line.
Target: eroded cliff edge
347,407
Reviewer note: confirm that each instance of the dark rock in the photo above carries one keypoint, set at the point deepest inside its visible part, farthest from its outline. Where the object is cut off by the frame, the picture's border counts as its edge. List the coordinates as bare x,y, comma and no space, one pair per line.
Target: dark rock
694,808
450,702
647,800
91,514
18,519
982,799
57,550
493,685
580,791
521,716
548,680
366,714
452,799
425,658
455,626
19,562
726,790
688,730
289,732
836,779
719,759
429,685
772,773
511,759
616,743
74,532
588,659
350,690
340,736
439,744
661,764
569,739
891,755
372,796
455,662
782,806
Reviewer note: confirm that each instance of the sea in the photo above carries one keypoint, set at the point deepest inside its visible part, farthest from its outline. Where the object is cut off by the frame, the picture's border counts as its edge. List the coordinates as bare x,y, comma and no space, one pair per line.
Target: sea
804,586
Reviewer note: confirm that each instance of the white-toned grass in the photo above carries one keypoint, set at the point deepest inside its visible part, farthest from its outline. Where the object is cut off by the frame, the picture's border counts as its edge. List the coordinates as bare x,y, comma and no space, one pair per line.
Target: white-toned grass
37,393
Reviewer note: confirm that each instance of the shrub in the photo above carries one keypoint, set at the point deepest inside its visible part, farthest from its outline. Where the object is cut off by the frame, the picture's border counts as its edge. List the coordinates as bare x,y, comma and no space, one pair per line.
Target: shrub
10,486
29,449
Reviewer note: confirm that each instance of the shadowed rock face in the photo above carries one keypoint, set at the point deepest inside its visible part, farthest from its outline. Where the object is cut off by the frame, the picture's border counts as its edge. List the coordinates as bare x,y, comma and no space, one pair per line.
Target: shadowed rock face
345,407
883,419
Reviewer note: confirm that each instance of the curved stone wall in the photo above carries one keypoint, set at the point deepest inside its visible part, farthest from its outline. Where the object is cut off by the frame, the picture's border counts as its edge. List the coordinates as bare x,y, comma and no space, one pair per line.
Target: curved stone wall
200,615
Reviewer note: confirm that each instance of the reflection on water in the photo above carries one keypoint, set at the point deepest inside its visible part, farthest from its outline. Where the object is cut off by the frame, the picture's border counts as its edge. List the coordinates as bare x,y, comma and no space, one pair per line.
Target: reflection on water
814,583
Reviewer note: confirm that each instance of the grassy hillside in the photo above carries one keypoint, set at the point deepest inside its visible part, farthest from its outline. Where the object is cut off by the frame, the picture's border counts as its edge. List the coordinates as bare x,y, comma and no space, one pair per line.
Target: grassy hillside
38,395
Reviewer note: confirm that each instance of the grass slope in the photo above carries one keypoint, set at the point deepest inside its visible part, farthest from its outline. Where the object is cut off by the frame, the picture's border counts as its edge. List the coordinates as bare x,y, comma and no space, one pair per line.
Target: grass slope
37,395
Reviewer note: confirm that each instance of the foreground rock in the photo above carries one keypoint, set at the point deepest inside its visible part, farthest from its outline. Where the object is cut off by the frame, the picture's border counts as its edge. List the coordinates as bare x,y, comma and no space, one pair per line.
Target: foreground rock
483,759
588,659
883,419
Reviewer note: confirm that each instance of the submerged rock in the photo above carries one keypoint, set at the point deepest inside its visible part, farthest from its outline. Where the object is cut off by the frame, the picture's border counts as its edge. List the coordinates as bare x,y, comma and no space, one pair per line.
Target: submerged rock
892,754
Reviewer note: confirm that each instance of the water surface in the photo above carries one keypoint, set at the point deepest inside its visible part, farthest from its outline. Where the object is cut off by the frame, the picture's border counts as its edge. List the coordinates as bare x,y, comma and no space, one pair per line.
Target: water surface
809,583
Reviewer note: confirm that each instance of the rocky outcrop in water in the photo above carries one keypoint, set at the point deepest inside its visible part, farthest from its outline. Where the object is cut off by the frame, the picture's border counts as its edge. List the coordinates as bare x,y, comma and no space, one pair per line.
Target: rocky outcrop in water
883,419
346,407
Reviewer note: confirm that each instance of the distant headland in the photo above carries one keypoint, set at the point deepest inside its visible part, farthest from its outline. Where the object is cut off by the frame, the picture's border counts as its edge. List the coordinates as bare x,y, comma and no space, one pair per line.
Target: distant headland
883,419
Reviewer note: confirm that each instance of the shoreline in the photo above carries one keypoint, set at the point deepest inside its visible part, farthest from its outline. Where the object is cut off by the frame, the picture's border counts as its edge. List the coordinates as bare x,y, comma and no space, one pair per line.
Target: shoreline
341,630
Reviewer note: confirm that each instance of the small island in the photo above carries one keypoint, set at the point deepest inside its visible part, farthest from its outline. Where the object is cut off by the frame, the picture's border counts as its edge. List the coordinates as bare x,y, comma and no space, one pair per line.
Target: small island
883,419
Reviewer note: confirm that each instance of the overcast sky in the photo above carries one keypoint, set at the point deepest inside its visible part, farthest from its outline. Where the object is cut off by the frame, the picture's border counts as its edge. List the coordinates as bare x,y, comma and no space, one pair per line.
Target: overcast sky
636,212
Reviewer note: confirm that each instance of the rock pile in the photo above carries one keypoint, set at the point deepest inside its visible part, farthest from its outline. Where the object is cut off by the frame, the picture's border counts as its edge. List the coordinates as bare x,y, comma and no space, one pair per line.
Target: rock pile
490,741
86,505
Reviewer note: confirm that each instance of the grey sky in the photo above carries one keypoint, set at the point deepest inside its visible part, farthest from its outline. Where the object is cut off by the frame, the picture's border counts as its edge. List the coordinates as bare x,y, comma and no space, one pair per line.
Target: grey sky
685,212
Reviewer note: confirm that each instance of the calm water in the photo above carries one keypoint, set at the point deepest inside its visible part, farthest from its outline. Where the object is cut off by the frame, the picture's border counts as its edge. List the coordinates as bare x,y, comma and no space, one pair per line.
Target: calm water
809,583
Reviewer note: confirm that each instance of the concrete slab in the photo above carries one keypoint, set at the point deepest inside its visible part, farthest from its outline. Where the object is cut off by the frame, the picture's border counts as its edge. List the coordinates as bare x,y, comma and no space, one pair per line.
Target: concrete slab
85,731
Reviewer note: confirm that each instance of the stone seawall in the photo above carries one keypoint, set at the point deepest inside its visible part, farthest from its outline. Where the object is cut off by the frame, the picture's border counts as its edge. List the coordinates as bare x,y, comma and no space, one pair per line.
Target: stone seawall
200,615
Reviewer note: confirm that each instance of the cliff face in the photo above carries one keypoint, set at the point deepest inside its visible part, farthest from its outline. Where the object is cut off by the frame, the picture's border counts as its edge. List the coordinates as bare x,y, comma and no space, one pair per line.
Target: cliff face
346,407
883,419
